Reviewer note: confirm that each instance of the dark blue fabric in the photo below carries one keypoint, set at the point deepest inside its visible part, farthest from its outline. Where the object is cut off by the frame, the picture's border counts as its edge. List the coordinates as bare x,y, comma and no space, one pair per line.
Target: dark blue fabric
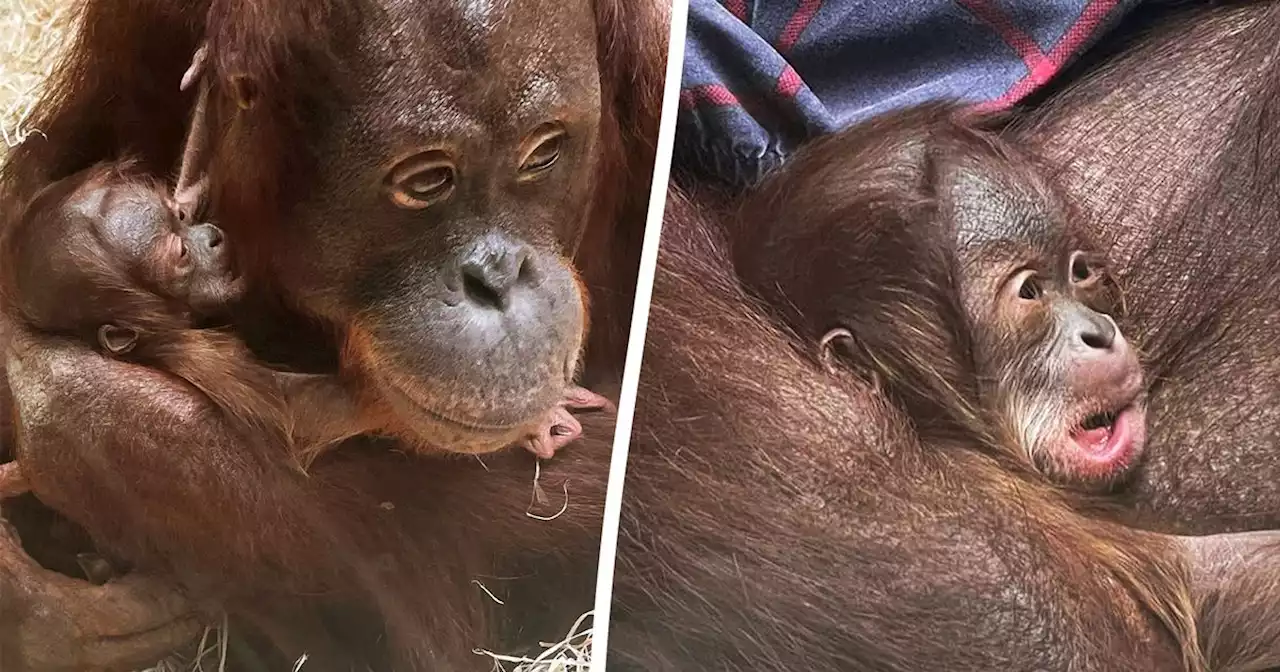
852,60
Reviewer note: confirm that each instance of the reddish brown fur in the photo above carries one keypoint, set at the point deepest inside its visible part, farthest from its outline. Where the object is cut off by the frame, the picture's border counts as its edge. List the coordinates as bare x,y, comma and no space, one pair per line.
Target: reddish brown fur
214,361
805,556
1188,213
913,333
279,37
336,539
843,535
256,181
909,320
631,122
451,521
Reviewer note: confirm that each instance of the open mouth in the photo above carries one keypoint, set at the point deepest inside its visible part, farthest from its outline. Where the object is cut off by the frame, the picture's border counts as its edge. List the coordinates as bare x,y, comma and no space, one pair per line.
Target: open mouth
1111,436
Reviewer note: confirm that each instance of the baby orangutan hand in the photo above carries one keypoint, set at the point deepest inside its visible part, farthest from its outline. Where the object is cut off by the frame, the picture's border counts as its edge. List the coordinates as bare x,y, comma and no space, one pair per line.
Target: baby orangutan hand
559,427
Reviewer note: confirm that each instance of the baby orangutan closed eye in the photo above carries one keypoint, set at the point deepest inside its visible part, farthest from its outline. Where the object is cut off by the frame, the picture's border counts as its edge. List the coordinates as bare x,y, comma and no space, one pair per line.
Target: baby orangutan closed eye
977,294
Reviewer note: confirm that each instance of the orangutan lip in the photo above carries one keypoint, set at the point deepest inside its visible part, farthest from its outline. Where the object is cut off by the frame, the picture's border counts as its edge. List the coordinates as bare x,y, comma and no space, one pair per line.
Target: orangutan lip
405,400
461,423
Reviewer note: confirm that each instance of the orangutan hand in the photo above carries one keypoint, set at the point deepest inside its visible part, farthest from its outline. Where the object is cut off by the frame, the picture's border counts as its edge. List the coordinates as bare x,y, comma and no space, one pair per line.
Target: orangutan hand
53,623
560,428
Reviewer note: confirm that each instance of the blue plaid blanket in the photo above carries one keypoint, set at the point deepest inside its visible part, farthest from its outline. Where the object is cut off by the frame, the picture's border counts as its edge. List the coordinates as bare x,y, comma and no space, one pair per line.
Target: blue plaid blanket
761,77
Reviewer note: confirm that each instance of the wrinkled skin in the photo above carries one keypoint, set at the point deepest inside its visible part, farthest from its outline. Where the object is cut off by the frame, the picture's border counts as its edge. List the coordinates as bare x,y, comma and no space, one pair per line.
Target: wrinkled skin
1050,361
113,252
274,536
460,179
52,623
561,428
124,263
1171,156
1162,152
362,262
1032,347
782,517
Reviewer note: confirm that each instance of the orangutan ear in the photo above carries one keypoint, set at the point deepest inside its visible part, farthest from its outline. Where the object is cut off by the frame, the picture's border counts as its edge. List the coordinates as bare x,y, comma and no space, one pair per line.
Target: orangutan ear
832,344
117,340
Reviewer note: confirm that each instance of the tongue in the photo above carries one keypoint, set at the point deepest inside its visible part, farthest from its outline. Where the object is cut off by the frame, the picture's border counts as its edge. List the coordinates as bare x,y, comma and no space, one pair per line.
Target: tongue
1094,440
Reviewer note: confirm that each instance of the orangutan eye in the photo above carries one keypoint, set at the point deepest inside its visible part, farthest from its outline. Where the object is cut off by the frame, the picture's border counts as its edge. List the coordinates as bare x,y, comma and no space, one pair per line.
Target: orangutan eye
1027,286
547,140
430,183
543,156
1030,289
177,247
1081,271
421,180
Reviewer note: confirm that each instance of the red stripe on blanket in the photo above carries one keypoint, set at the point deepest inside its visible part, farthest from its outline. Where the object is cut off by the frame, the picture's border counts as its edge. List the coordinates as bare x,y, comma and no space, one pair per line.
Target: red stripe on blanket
1085,25
797,23
1012,34
710,95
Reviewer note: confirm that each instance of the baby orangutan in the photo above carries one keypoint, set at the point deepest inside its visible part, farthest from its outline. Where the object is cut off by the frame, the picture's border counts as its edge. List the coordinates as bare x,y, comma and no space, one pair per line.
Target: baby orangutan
105,258
973,299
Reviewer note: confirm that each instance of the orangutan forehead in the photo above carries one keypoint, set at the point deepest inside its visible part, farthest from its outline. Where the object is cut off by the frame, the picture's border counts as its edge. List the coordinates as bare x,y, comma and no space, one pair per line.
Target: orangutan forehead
993,202
464,67
485,40
122,219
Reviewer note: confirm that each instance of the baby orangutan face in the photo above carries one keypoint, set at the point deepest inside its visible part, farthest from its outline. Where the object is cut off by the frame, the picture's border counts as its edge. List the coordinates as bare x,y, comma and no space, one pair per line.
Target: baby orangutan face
1054,364
182,260
117,257
953,278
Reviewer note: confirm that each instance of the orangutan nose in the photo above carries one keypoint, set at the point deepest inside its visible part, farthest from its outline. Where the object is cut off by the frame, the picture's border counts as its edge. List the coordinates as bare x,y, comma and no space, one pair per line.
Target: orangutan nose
205,242
492,268
1094,332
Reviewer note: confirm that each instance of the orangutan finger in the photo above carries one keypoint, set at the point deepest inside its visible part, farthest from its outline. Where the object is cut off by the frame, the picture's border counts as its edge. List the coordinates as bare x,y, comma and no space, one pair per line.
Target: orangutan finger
581,398
12,481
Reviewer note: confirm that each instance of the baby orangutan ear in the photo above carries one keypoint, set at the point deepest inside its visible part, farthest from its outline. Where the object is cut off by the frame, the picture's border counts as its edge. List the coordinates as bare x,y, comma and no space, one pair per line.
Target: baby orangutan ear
841,343
832,342
117,340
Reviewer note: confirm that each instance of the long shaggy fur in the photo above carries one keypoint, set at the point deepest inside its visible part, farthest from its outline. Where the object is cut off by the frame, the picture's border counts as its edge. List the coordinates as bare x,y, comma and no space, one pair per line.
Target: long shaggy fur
366,531
779,517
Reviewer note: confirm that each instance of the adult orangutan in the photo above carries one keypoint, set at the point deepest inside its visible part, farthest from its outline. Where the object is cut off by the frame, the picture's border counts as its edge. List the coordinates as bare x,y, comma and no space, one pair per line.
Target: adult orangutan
373,160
